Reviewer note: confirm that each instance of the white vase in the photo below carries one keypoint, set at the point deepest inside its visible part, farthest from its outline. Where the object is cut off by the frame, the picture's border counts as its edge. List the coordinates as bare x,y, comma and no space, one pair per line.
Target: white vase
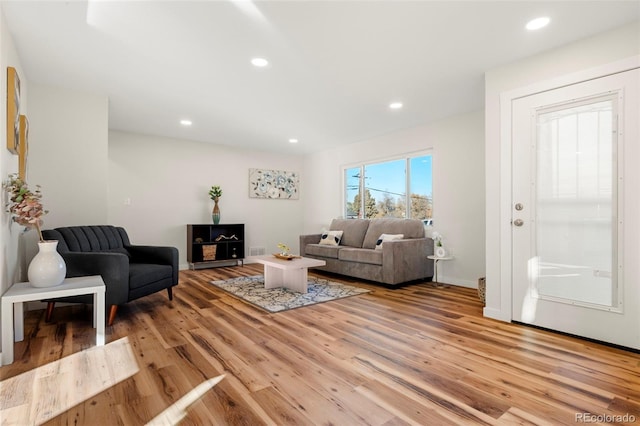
47,269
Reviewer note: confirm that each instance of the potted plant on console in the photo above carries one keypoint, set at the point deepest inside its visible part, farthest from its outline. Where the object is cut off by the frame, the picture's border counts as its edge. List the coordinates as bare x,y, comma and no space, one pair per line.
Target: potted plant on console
47,268
215,193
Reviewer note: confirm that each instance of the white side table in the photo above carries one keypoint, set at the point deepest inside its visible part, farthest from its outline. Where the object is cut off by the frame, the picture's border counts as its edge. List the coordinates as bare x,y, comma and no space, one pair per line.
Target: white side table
14,298
437,259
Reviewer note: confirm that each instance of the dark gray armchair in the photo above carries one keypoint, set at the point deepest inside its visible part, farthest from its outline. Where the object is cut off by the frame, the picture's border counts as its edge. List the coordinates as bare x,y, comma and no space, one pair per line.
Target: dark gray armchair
128,271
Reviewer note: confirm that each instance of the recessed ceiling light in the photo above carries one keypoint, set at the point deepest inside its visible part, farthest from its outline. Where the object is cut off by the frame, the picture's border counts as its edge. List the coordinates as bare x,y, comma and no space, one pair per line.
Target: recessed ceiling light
395,105
259,62
536,24
292,140
186,122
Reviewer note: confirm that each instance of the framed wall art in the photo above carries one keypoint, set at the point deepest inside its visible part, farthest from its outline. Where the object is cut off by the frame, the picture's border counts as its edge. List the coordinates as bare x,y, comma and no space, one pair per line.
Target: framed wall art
23,147
13,110
276,184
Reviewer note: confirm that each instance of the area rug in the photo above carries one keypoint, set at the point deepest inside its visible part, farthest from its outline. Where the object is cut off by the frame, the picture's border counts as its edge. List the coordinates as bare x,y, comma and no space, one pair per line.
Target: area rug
251,289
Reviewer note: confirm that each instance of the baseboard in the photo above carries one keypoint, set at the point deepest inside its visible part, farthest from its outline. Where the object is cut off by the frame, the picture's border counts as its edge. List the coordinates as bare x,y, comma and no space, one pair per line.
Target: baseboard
457,281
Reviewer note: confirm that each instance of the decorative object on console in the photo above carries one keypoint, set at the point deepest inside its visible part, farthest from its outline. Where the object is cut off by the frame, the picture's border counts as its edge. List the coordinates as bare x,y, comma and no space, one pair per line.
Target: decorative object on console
215,193
331,238
224,237
13,110
273,184
47,268
209,252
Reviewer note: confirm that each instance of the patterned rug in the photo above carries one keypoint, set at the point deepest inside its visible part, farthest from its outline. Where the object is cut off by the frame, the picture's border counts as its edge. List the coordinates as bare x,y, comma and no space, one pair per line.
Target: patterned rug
251,289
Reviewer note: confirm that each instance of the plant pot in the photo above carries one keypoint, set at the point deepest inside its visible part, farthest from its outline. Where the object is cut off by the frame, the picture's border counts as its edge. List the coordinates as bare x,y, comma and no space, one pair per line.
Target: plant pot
47,268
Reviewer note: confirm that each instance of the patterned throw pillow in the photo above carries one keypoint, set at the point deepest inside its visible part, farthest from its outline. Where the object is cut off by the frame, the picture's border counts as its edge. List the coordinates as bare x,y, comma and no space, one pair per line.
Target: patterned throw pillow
387,237
331,238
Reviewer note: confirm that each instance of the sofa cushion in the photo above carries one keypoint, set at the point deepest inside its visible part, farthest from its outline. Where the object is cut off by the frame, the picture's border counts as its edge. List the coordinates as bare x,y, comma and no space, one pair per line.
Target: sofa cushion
387,237
360,255
411,228
322,250
354,230
331,238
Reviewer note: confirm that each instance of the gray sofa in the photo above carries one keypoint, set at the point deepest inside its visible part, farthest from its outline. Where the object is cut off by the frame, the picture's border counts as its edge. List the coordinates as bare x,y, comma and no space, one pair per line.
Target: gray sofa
396,262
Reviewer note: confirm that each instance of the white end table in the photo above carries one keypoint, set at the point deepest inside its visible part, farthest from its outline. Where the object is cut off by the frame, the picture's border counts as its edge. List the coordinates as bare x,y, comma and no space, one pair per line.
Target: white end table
14,298
437,259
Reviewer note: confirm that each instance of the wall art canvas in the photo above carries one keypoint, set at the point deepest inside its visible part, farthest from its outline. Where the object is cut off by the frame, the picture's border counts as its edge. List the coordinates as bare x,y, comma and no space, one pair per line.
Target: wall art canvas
13,110
278,184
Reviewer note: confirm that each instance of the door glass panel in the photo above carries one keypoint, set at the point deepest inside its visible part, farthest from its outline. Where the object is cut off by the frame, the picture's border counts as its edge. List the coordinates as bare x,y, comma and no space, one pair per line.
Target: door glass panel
576,207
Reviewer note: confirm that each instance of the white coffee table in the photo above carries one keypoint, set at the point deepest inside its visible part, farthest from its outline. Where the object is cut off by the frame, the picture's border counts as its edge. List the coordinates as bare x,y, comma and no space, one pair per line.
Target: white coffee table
292,274
13,305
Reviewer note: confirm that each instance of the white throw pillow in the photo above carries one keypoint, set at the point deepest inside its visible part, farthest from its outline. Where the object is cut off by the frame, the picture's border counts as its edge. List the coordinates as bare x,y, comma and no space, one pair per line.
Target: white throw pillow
331,238
387,237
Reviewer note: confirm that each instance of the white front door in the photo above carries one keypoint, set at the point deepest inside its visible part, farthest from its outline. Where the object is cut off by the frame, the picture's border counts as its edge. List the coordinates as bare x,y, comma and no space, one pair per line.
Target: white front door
575,209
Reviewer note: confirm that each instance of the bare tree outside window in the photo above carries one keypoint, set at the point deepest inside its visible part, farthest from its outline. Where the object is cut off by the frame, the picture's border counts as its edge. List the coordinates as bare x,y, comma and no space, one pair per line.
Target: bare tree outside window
385,186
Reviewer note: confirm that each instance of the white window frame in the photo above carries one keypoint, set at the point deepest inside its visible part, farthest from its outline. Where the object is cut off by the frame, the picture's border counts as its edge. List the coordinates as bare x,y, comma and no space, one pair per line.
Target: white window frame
407,157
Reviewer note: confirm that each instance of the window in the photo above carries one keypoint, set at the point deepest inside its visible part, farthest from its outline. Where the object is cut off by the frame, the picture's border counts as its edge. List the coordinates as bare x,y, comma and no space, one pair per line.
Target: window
397,188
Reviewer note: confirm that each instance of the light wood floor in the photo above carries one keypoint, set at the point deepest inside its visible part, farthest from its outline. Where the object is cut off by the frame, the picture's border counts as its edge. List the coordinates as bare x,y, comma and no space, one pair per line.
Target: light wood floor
412,355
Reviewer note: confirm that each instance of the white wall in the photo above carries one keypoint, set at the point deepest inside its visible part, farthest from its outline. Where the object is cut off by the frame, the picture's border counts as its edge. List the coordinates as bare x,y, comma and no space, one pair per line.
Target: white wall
68,142
11,241
167,182
602,49
457,146
11,244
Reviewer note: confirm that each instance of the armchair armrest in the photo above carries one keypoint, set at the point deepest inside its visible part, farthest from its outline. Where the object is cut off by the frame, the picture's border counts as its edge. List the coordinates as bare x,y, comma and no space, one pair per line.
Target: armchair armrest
308,239
113,267
163,255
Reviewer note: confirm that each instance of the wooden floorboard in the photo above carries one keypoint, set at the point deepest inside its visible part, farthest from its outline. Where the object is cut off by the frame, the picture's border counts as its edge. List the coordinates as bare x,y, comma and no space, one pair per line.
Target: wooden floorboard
412,355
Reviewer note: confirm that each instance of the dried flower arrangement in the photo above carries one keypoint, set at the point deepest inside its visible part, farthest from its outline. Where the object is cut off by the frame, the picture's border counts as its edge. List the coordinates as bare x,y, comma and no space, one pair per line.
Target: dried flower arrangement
24,204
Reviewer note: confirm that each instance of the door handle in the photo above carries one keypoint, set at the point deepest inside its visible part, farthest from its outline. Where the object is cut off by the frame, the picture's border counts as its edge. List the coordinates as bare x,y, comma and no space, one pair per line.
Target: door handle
518,222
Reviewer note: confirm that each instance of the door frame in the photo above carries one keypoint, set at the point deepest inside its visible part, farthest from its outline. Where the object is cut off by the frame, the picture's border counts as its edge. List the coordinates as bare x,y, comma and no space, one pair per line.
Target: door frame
505,312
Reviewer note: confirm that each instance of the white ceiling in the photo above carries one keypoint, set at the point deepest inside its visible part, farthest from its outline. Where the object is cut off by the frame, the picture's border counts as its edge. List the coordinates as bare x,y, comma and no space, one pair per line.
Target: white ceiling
334,65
